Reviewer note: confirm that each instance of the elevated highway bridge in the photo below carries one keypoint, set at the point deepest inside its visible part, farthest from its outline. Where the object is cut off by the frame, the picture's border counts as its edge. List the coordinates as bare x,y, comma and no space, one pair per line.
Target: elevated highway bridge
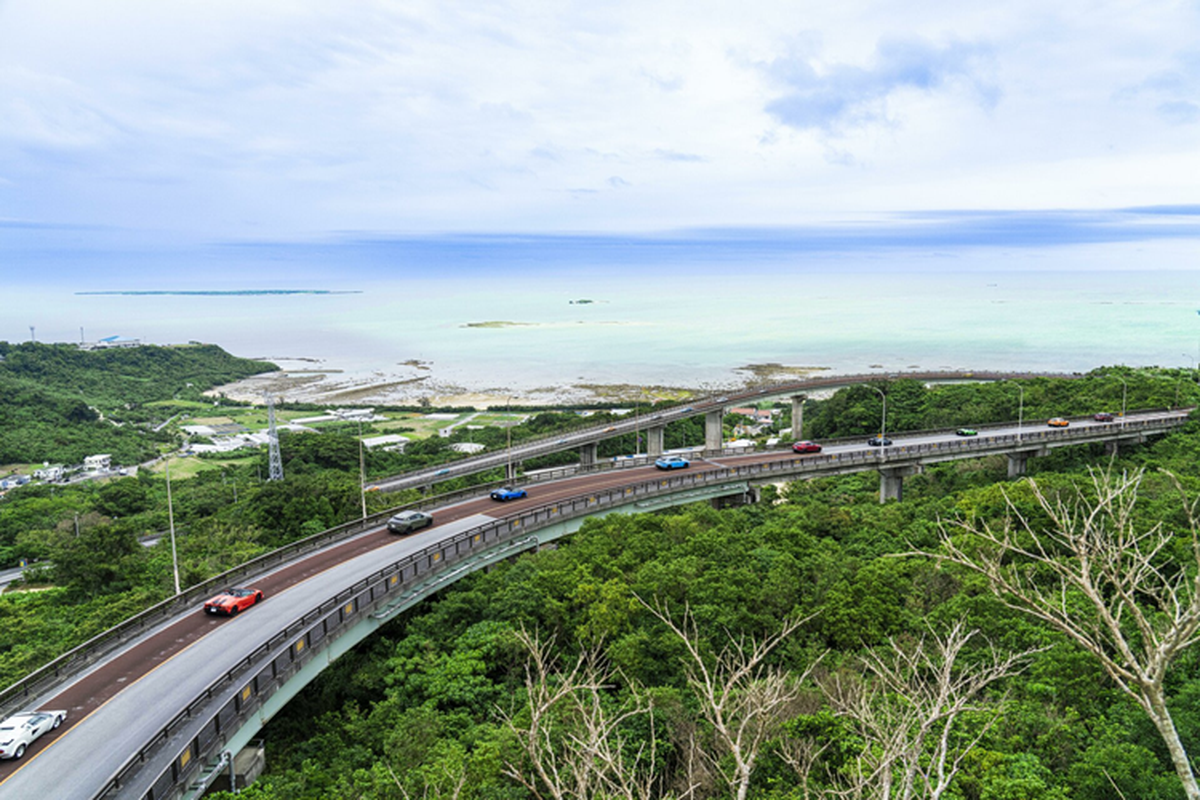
159,702
654,424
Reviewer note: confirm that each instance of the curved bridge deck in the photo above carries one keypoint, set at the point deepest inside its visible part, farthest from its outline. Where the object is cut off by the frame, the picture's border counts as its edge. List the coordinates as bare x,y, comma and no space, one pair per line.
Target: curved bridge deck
164,732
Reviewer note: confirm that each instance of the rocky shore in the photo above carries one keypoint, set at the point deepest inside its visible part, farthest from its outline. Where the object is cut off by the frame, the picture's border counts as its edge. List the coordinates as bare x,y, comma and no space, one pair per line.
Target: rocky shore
308,381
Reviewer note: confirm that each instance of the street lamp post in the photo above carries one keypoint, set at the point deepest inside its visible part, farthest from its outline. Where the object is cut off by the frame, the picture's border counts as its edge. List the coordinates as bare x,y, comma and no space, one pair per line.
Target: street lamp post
883,421
1124,392
171,521
1179,382
1020,408
508,473
637,434
362,472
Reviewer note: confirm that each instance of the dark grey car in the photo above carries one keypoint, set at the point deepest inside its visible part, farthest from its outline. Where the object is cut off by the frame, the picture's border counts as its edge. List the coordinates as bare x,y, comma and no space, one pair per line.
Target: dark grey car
409,521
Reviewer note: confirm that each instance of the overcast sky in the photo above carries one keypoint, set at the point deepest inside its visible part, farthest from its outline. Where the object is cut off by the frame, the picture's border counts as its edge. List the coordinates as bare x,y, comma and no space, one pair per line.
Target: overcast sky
227,121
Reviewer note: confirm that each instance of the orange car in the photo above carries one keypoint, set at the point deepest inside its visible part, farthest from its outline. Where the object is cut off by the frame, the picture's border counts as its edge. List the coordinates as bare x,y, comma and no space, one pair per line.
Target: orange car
1059,422
231,601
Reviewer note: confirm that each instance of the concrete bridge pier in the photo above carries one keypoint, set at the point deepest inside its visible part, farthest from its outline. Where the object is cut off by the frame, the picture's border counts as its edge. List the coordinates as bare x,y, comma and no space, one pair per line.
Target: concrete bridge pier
1018,462
891,481
713,434
654,441
242,770
589,454
752,495
1112,448
798,416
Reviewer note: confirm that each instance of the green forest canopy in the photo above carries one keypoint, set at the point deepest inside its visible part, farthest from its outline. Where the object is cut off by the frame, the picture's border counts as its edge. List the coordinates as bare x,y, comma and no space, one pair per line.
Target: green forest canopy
60,403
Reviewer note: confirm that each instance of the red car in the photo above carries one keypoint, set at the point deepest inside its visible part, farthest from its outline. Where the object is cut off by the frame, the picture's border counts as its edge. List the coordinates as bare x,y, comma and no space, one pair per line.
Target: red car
806,447
231,601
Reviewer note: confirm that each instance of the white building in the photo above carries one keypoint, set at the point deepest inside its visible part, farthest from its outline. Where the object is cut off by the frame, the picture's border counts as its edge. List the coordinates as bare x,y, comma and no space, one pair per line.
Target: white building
353,414
392,441
97,463
226,444
50,472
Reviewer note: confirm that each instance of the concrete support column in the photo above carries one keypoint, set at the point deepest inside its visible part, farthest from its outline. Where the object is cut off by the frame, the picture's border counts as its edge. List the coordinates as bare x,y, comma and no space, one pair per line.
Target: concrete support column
654,440
752,495
1112,448
1017,463
891,482
588,454
798,416
713,435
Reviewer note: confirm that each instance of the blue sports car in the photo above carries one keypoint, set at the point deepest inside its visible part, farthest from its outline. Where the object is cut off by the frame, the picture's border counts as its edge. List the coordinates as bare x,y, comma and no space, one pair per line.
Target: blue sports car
672,462
508,493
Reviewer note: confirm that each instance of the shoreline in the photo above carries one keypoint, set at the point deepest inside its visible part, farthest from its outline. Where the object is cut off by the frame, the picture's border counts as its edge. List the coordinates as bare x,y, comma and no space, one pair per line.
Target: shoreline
310,381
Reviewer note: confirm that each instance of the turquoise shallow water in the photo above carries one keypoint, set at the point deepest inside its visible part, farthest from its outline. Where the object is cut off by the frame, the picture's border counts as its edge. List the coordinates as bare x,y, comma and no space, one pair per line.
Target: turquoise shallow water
651,327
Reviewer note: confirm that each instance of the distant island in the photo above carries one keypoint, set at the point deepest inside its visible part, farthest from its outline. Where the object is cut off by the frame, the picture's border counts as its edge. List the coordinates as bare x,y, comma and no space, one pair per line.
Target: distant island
231,292
497,323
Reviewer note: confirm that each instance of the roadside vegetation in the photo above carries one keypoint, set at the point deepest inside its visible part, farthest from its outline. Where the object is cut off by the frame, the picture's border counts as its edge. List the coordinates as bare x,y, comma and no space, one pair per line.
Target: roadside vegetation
793,649
836,635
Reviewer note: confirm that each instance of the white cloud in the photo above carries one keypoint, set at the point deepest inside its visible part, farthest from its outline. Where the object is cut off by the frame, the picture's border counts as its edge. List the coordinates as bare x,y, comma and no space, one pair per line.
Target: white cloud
838,96
225,118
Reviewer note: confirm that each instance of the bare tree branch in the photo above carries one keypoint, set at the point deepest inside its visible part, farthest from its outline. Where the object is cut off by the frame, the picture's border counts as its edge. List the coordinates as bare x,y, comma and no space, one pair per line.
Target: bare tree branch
1095,575
742,699
573,741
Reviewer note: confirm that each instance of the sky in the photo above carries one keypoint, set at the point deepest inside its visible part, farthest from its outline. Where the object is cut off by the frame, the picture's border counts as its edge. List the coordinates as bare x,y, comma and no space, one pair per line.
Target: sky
148,127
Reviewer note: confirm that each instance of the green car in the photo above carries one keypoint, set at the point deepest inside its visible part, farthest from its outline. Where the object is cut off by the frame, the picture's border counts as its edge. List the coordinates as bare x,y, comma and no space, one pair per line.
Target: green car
966,432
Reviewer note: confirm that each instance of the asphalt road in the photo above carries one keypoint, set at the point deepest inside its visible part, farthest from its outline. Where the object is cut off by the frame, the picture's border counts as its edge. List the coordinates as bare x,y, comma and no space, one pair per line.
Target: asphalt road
115,708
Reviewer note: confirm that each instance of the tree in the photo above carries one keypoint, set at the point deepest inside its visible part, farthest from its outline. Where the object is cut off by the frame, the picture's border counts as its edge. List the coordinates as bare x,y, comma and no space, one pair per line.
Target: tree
743,701
1121,590
571,733
918,713
123,498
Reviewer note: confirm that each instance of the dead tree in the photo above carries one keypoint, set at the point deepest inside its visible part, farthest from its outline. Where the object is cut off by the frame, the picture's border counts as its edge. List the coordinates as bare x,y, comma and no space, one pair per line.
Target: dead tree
908,708
742,699
446,786
571,733
1111,585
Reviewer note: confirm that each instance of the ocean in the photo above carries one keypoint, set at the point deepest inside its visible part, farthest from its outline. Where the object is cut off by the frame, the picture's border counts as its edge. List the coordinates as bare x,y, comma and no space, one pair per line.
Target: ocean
428,329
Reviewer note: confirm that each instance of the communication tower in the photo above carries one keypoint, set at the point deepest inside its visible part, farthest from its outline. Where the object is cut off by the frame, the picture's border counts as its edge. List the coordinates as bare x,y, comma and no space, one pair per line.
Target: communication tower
274,461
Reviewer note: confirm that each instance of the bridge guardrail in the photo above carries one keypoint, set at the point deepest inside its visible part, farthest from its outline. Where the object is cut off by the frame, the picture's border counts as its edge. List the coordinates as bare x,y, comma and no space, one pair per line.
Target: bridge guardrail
303,636
75,660
93,649
381,585
701,404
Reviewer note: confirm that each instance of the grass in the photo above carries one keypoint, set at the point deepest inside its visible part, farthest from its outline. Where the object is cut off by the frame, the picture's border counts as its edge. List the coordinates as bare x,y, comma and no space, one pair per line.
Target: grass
501,420
189,467
17,469
180,404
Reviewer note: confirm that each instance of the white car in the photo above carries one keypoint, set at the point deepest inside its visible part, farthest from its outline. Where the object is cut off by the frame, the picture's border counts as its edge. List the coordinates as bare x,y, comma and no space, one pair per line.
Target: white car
18,731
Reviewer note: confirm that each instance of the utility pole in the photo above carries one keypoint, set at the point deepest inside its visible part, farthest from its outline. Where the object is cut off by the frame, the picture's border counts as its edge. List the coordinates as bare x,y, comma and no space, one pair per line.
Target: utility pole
274,460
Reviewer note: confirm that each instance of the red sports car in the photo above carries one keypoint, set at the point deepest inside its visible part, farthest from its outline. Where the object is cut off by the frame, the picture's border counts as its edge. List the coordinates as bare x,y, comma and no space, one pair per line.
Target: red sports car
806,447
231,601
